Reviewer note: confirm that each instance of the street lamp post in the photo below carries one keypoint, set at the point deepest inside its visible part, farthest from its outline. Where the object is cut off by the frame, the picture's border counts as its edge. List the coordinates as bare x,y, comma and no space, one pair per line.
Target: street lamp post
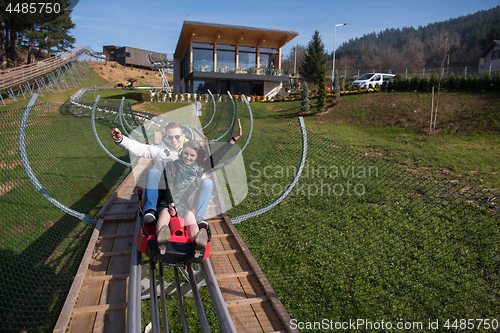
334,43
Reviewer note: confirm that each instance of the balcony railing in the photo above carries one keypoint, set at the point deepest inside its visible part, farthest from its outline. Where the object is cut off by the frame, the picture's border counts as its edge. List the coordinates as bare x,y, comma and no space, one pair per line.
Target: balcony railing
225,67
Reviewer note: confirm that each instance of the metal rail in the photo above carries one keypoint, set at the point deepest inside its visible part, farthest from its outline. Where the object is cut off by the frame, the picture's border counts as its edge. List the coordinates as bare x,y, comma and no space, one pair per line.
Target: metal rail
225,322
213,113
99,141
289,188
232,121
31,175
155,317
134,287
221,165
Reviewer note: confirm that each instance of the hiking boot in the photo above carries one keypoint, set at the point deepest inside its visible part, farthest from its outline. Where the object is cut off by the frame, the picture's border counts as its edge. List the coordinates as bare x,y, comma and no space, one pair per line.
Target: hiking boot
150,217
162,238
201,239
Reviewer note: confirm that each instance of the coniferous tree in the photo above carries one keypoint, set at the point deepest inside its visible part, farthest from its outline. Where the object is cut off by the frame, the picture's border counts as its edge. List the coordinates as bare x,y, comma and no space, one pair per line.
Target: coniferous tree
322,90
493,34
47,31
14,23
305,99
55,34
315,58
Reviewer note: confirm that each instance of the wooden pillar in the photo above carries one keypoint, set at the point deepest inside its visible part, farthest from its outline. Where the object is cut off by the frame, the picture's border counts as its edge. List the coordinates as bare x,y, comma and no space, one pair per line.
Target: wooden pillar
258,57
215,57
191,56
216,39
191,65
259,43
237,50
279,58
237,56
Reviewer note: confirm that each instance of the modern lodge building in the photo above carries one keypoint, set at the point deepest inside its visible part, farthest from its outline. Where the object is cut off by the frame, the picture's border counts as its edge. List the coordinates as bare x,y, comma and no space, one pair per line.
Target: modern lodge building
221,58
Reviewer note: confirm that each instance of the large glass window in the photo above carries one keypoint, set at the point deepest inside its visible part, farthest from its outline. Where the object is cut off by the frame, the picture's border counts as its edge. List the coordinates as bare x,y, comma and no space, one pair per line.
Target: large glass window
264,60
202,86
203,57
226,58
199,87
268,58
247,58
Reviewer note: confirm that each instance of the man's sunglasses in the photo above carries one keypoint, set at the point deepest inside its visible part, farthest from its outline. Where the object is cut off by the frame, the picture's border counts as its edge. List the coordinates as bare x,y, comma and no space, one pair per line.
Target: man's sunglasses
176,137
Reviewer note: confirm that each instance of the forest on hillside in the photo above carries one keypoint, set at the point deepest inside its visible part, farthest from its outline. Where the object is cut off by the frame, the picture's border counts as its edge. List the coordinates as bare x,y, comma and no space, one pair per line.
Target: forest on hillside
465,37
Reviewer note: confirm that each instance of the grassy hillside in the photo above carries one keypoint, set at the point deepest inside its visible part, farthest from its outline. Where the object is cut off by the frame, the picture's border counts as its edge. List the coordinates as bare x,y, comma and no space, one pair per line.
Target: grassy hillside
465,147
116,73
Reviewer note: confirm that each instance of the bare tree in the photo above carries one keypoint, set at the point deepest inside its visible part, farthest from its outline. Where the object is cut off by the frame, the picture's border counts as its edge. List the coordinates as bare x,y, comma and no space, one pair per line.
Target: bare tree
415,52
293,59
441,46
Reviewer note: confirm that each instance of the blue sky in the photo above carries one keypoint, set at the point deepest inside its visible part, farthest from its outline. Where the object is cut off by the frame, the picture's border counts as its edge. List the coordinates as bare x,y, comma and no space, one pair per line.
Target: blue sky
156,25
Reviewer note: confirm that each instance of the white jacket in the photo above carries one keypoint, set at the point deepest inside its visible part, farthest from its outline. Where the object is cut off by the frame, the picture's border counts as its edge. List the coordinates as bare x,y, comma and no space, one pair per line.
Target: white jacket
156,153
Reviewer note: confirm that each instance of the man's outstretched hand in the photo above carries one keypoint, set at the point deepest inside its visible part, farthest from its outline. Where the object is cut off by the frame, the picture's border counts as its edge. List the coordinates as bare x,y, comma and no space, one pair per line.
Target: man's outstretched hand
116,134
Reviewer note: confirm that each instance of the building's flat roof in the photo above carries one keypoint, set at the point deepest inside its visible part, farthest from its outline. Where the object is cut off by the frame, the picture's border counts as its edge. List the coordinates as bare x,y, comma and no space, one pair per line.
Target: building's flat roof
201,32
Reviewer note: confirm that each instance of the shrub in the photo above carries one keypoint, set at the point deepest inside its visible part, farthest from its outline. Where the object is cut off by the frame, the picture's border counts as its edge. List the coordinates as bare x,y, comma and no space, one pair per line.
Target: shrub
424,84
476,84
305,100
415,83
487,83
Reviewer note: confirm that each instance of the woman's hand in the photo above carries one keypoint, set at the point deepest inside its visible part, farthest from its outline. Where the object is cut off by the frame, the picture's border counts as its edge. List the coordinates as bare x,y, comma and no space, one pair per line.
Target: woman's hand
116,134
240,132
172,210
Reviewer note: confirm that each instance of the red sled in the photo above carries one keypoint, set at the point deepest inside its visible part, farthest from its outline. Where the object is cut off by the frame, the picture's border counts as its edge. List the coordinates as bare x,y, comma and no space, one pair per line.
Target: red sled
179,248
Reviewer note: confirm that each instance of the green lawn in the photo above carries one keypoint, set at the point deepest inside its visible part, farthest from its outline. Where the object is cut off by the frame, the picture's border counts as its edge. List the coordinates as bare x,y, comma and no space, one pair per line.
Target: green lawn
359,237
472,159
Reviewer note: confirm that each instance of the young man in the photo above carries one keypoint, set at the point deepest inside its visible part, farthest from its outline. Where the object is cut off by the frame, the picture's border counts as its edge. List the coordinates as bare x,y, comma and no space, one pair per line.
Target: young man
174,138
169,149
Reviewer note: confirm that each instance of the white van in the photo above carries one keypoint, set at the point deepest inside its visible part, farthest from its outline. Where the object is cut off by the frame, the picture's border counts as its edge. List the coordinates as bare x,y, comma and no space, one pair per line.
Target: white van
368,80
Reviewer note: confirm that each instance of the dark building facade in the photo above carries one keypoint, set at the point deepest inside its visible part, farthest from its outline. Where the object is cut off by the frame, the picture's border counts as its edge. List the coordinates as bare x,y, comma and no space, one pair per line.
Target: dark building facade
126,55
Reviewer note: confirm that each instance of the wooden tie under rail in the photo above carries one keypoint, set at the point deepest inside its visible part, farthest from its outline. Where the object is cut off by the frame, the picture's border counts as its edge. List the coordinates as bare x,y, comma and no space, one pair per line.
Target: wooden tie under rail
97,301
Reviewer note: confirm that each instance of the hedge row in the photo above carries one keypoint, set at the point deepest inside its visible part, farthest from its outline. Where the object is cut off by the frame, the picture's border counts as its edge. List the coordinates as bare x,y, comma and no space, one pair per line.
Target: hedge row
449,83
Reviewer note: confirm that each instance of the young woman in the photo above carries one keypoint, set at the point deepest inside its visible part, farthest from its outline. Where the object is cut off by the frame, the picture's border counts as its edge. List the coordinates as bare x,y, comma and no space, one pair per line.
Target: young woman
183,179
